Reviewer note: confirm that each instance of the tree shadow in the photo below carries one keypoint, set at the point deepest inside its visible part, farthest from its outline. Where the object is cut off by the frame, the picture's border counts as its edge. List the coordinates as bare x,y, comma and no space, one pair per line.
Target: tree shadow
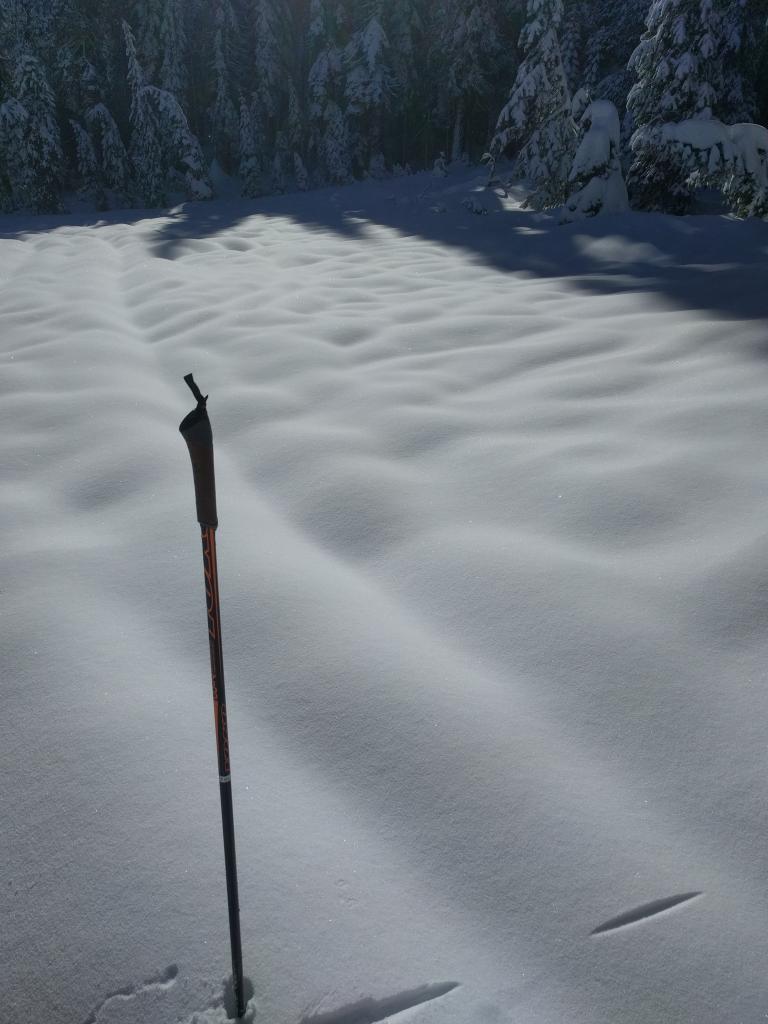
713,263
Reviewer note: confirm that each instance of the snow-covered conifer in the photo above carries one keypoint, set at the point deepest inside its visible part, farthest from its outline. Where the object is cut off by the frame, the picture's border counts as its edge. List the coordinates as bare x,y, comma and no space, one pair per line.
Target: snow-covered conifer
746,184
43,154
680,156
249,169
682,66
173,42
112,156
537,116
469,43
675,62
329,133
148,16
597,184
295,129
277,180
162,145
88,167
335,150
369,83
146,149
182,154
404,26
224,119
266,65
575,27
300,175
16,173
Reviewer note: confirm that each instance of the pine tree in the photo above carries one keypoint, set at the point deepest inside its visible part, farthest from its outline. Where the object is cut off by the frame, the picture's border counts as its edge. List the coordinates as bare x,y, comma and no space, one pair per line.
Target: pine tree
404,26
148,16
162,146
745,26
173,72
42,144
369,84
90,186
249,169
335,151
538,112
412,82
223,114
746,184
111,154
16,174
146,149
329,133
684,65
611,31
675,62
300,175
182,155
266,59
469,44
576,26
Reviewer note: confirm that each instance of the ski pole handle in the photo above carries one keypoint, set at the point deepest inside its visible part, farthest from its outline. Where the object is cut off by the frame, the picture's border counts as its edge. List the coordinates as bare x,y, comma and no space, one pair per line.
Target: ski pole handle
196,431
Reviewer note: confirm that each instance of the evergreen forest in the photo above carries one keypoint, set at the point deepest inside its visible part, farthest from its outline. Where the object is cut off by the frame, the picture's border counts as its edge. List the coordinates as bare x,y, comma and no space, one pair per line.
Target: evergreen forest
134,102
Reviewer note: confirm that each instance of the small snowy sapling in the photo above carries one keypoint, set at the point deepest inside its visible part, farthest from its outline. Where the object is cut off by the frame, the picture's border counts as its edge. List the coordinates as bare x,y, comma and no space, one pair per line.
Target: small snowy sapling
596,178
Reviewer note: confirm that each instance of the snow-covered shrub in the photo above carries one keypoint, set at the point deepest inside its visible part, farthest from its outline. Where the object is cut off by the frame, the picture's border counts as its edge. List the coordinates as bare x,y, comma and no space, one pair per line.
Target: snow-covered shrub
596,178
473,205
746,186
707,153
673,159
439,168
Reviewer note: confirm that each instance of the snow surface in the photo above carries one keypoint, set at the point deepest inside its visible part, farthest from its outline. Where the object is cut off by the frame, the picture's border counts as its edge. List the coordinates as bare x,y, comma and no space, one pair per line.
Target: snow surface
493,558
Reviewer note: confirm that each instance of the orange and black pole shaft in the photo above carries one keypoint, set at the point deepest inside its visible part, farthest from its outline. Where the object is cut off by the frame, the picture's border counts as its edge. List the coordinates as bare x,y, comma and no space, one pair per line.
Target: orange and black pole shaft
196,431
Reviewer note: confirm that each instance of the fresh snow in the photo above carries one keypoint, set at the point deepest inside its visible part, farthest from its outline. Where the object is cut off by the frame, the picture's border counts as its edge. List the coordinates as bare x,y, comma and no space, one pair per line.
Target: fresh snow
492,498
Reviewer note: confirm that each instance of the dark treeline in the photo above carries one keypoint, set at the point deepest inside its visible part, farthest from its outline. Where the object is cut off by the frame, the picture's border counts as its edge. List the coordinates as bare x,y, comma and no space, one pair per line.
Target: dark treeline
127,102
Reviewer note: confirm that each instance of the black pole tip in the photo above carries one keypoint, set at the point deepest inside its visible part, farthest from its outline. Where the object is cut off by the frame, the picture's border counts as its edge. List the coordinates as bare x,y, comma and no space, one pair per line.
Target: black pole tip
198,415
189,380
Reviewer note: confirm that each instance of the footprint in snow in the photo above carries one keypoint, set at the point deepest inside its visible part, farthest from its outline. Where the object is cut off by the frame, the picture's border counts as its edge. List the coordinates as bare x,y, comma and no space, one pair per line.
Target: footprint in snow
164,980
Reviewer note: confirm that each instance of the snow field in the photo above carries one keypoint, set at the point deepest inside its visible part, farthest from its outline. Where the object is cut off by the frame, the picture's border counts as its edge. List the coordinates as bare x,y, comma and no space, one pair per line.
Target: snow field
492,557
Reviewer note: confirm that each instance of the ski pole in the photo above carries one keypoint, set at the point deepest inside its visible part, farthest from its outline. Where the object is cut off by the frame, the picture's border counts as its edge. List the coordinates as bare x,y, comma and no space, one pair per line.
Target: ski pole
196,431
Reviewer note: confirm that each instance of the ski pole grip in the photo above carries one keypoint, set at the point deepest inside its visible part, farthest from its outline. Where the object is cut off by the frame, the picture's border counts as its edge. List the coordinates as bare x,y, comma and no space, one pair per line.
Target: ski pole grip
196,431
